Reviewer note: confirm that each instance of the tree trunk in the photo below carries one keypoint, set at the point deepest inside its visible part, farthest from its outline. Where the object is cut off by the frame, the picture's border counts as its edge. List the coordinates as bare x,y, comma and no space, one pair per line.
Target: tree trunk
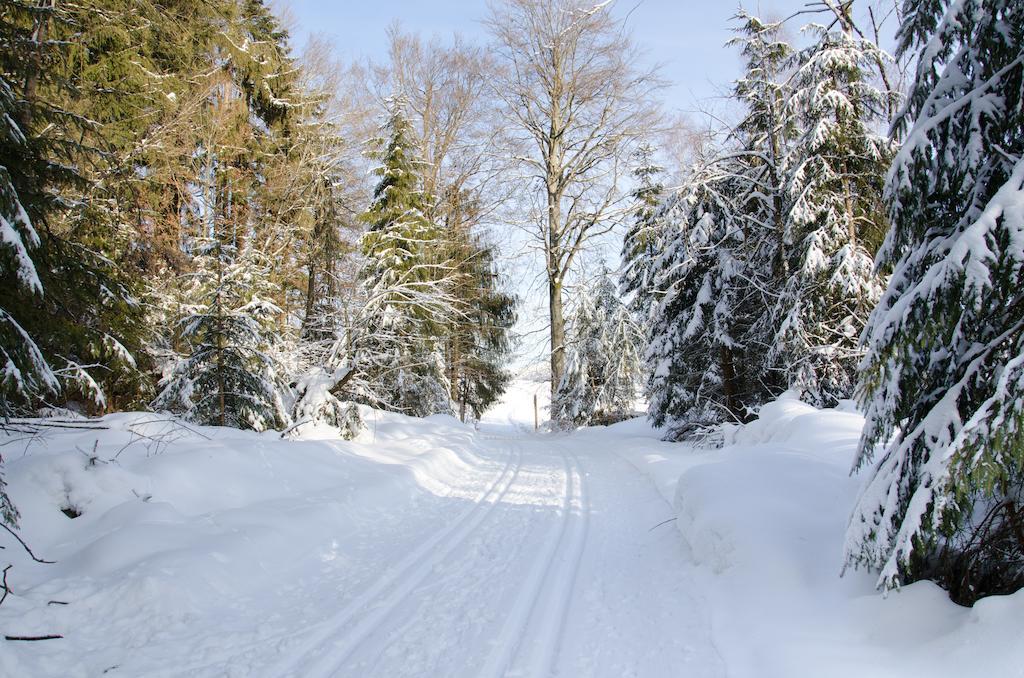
39,36
557,333
730,383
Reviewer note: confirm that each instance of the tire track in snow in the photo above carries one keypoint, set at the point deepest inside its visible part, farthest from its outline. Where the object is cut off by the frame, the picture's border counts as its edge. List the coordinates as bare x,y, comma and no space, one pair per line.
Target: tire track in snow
549,611
380,600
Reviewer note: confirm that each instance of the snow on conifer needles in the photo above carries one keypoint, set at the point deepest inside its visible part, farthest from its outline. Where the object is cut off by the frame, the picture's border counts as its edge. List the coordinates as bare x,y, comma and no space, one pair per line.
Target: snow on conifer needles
942,382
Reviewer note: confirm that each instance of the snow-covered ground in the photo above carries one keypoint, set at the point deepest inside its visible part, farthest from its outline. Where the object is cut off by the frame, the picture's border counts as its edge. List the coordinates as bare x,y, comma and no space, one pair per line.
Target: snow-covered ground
428,548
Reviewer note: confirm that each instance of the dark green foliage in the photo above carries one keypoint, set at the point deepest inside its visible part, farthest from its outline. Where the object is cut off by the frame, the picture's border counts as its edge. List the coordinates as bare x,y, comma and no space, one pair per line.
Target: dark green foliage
479,342
408,278
942,385
228,377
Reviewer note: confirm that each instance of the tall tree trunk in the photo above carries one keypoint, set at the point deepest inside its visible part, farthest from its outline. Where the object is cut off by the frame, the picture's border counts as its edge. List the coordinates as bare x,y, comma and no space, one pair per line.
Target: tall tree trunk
730,382
39,36
557,333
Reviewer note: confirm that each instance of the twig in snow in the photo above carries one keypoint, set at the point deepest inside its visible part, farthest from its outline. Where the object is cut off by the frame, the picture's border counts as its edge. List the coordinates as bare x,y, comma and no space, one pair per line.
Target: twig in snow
6,588
53,637
25,546
664,522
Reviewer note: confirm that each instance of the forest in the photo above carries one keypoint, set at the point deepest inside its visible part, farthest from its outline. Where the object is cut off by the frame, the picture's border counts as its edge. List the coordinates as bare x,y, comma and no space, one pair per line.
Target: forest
200,220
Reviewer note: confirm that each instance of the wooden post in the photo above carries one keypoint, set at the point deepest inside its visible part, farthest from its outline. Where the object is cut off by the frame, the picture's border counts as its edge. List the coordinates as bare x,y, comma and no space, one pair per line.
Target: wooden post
536,417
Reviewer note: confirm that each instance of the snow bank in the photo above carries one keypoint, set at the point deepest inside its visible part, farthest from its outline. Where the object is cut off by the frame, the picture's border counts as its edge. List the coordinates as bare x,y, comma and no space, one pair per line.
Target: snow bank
178,541
764,520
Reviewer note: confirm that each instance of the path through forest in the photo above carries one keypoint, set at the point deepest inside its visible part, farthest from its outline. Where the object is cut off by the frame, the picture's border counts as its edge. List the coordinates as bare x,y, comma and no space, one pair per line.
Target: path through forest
545,565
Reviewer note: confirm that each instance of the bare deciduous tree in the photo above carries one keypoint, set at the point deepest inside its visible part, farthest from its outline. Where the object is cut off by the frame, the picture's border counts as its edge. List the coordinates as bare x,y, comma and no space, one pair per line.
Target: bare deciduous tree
578,102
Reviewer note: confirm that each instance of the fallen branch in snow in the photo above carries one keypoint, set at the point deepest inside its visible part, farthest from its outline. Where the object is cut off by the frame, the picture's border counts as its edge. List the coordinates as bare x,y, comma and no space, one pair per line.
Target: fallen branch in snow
664,522
25,546
158,441
50,423
3,584
53,637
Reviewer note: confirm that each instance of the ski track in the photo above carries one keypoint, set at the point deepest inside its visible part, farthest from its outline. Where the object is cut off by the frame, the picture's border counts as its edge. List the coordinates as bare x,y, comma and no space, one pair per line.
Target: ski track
537,620
413,564
389,591
524,583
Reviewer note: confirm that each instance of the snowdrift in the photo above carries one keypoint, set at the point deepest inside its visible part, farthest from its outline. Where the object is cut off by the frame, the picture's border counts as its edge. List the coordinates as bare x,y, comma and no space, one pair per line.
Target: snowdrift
764,520
169,515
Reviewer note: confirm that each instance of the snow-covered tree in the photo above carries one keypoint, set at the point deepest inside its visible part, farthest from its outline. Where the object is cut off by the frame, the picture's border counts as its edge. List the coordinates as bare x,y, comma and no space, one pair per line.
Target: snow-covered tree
26,373
694,352
605,369
942,385
834,216
644,239
720,267
762,149
228,376
407,280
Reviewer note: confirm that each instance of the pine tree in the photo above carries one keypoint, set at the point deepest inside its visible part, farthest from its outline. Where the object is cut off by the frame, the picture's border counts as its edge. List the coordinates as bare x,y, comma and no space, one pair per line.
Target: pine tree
942,385
643,240
693,351
604,370
835,213
478,341
229,377
407,280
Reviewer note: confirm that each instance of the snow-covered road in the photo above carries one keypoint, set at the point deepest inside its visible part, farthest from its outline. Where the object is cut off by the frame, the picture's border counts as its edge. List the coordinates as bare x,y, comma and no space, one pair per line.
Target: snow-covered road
427,549
543,564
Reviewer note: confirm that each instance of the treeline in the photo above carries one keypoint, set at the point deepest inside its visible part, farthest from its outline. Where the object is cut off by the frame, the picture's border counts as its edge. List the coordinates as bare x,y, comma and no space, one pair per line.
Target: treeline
809,250
187,223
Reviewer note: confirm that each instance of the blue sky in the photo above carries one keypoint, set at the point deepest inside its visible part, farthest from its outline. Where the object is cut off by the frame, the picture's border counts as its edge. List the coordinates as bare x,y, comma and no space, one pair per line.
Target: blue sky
686,37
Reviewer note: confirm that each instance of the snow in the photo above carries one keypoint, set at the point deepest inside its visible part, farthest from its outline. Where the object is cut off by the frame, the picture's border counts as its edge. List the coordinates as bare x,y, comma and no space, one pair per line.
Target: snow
764,521
426,547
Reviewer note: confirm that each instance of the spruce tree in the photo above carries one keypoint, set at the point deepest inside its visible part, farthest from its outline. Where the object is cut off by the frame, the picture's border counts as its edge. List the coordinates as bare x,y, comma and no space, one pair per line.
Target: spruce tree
644,239
762,152
694,350
722,259
835,213
228,377
407,280
478,341
942,385
604,368
26,373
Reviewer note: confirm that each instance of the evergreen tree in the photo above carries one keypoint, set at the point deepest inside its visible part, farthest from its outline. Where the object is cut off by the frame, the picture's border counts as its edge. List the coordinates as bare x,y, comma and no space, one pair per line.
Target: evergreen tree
604,368
26,373
722,261
942,385
760,163
643,240
834,183
694,348
228,377
407,280
478,343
